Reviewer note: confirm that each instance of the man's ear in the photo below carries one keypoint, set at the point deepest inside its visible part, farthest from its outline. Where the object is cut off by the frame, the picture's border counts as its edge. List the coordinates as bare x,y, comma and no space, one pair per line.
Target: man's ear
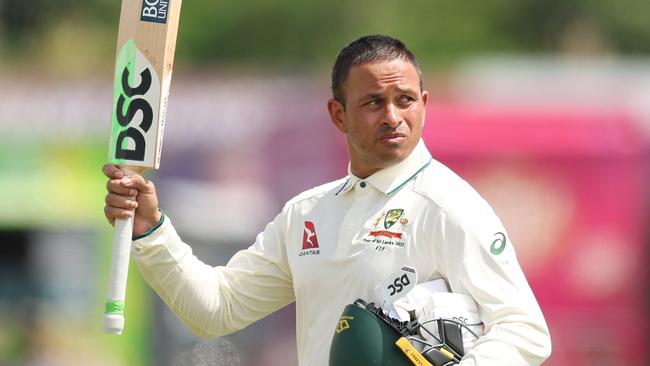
336,111
425,100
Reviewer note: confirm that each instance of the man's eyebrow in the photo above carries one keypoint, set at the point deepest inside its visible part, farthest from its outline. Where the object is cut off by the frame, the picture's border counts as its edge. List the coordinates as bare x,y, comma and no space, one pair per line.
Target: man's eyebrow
407,90
380,94
372,95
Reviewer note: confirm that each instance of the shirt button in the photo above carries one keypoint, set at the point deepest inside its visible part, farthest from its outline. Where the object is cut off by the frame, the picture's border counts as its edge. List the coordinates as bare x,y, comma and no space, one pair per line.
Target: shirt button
138,248
362,184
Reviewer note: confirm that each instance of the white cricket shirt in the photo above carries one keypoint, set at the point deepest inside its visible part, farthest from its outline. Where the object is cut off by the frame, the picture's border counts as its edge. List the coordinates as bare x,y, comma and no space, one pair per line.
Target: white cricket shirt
333,244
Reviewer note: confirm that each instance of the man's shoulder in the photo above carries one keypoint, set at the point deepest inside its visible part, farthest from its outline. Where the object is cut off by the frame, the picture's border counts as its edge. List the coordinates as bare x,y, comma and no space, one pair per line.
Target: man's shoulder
321,191
441,184
450,192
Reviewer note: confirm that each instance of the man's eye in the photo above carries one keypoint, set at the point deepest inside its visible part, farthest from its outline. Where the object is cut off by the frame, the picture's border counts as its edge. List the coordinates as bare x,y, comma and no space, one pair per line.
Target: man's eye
405,99
374,102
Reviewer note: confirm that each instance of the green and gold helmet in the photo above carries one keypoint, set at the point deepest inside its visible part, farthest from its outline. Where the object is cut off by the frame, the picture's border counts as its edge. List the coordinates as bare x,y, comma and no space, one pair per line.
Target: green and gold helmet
366,336
364,339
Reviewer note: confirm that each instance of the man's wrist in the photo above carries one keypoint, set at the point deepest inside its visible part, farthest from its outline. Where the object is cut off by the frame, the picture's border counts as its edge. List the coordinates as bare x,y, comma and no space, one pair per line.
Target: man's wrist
159,218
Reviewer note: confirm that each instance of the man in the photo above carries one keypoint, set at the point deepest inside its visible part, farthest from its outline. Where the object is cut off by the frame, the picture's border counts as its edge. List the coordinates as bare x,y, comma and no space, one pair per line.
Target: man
332,244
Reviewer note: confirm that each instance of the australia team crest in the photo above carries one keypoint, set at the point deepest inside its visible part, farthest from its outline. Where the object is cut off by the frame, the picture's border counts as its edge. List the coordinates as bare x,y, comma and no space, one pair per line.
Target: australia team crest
392,216
390,234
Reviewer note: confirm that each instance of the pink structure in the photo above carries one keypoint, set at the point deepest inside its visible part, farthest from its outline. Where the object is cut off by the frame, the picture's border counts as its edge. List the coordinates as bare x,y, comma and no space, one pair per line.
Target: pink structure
571,185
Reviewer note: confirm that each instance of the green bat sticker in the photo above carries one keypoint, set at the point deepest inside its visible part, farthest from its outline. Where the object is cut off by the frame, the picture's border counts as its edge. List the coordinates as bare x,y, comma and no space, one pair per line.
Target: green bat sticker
114,307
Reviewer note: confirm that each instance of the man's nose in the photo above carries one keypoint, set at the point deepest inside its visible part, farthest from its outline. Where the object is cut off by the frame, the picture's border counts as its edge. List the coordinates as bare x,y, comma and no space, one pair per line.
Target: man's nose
392,117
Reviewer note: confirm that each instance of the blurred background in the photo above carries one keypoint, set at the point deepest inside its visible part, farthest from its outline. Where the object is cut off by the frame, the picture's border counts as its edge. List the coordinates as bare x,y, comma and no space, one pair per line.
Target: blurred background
543,106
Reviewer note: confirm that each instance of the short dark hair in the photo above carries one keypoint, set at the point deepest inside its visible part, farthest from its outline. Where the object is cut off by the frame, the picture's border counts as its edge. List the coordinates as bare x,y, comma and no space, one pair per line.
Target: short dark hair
368,50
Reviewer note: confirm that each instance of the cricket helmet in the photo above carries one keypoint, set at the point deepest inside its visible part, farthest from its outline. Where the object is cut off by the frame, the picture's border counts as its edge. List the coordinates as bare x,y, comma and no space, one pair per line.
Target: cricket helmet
364,339
367,336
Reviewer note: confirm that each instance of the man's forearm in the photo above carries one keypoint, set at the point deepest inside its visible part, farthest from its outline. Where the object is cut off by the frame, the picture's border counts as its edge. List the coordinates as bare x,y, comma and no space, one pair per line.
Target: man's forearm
211,301
506,344
187,285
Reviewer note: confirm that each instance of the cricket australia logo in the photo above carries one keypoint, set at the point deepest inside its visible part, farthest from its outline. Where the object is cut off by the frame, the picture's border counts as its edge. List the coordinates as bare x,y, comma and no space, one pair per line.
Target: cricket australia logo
392,216
384,237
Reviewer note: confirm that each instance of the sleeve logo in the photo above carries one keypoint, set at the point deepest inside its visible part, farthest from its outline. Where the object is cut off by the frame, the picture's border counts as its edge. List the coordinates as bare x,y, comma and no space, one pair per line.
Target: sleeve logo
498,244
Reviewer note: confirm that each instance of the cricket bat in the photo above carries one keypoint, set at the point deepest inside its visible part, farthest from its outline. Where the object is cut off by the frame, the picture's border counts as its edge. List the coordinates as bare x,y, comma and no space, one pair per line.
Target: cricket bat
146,43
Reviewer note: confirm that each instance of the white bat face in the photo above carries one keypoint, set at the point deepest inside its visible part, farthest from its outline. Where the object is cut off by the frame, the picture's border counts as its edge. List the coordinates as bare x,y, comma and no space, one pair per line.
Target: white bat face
137,120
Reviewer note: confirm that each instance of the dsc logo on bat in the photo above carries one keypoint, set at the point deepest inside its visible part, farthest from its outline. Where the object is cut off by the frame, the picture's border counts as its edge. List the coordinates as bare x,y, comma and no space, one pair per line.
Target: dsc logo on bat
154,11
138,123
124,118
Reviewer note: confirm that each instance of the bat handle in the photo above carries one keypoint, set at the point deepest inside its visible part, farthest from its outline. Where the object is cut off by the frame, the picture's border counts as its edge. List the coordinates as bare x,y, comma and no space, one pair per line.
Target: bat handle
114,311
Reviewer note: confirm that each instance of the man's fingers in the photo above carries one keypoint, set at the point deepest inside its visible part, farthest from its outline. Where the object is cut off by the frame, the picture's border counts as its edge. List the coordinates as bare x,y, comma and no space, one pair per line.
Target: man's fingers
138,182
113,213
112,171
125,185
115,186
111,219
118,201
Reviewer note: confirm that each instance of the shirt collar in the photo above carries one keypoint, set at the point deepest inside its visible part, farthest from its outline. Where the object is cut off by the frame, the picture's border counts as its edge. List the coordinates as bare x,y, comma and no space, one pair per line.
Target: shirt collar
390,180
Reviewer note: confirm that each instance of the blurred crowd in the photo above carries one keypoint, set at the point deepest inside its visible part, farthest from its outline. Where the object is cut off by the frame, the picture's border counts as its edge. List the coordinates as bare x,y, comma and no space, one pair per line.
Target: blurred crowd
543,106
